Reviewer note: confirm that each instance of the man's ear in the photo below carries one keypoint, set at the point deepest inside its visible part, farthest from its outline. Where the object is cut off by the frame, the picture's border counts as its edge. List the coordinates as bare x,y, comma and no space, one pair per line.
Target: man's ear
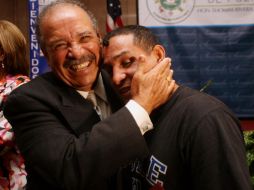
159,52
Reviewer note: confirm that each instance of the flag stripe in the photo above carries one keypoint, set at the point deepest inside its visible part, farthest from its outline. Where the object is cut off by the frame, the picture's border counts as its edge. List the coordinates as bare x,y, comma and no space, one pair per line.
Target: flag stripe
114,15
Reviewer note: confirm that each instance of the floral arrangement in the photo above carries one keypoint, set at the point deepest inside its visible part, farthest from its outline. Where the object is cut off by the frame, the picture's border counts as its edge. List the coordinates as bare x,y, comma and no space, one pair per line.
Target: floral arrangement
249,143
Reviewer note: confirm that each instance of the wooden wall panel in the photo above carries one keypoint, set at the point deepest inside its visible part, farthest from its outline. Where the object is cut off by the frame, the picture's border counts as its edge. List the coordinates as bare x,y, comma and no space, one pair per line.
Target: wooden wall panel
7,10
22,15
129,15
15,11
98,8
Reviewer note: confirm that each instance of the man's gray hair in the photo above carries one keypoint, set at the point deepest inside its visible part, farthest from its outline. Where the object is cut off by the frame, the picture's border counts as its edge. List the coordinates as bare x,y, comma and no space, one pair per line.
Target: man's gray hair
45,10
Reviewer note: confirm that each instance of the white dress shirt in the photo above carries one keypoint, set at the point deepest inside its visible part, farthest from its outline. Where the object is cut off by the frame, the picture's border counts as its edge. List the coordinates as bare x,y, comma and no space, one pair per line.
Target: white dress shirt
103,109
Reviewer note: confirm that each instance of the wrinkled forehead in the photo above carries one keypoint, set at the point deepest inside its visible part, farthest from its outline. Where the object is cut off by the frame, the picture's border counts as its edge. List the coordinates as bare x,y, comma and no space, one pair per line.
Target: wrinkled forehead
65,12
62,20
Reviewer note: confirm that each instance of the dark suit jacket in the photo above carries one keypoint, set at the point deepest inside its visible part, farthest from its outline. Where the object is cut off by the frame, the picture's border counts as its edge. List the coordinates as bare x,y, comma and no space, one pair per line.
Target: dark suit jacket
63,147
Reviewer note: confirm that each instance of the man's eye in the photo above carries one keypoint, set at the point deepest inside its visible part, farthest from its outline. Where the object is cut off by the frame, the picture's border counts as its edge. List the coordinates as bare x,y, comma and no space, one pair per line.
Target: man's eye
85,38
60,46
129,62
126,64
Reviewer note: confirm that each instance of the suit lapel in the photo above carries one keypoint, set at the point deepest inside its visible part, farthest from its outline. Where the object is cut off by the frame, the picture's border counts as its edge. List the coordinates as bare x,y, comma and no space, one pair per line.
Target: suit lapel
76,111
80,118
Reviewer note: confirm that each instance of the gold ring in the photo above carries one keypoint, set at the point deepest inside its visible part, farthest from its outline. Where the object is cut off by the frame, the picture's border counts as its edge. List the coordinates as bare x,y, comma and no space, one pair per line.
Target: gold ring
168,79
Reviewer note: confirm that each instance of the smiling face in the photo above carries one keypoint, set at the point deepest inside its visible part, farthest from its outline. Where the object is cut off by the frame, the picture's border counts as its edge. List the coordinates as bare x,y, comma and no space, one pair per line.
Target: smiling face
121,61
72,45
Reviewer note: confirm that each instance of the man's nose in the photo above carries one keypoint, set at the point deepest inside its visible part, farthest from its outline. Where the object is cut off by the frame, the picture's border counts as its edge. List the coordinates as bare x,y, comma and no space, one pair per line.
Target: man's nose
118,76
75,50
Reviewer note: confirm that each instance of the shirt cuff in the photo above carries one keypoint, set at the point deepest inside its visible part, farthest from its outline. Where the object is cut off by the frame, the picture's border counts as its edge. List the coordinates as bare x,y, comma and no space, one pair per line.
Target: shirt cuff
140,116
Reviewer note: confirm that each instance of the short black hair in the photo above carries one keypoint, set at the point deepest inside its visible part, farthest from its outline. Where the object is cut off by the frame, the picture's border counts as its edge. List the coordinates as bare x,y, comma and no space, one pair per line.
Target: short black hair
142,36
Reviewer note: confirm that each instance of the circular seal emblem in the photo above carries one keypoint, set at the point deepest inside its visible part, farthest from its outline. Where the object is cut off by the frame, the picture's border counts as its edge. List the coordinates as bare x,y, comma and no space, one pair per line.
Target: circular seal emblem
170,11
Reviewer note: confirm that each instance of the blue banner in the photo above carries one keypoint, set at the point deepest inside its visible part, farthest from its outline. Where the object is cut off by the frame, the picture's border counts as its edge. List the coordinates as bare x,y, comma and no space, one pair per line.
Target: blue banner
38,64
209,41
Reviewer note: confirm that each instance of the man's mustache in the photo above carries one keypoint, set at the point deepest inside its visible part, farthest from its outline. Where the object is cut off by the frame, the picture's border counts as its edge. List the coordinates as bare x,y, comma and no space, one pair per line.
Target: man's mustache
70,62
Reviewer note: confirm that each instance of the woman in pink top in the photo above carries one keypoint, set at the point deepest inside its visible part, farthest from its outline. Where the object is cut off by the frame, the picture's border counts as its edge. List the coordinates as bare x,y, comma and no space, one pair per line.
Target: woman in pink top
14,69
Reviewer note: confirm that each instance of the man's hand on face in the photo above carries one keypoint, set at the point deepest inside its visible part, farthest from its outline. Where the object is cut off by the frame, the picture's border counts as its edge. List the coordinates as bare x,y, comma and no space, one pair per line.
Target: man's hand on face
151,87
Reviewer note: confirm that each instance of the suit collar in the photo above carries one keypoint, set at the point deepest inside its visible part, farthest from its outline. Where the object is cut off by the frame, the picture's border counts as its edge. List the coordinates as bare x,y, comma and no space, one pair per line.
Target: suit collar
99,89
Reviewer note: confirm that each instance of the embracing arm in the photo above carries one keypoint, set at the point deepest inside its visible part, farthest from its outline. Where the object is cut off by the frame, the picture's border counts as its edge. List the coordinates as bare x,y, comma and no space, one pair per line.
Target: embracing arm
53,151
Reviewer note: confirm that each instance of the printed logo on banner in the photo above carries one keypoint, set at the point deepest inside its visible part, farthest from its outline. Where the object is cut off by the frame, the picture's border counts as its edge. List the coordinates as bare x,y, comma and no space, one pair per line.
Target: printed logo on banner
170,11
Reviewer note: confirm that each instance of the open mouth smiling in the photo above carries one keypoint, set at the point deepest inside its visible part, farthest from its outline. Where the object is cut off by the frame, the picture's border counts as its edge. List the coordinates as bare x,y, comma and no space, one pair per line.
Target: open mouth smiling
79,67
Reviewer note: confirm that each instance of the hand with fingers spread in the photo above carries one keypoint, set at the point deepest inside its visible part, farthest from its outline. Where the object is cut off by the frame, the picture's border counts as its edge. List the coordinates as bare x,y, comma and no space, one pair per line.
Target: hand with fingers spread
152,87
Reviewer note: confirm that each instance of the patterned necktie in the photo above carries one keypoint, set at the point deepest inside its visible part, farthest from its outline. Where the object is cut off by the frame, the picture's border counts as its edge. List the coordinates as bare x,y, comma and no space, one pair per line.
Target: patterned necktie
92,98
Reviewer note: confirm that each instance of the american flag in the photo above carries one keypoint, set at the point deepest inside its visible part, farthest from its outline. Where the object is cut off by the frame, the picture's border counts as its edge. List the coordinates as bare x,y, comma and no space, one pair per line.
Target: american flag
114,15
